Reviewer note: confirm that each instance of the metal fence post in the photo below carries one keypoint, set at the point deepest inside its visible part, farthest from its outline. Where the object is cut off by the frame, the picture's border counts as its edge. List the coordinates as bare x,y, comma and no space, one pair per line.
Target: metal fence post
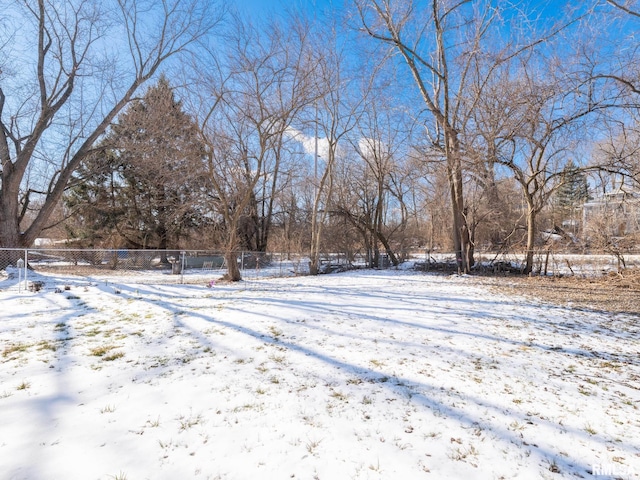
182,254
26,268
19,266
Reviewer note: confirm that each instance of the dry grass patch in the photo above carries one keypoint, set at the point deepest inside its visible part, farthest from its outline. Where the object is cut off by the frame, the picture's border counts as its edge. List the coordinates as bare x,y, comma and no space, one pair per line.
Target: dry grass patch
613,293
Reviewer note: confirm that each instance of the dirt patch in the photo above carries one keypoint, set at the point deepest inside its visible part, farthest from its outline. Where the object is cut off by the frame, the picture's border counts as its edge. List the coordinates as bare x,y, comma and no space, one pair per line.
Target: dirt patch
614,293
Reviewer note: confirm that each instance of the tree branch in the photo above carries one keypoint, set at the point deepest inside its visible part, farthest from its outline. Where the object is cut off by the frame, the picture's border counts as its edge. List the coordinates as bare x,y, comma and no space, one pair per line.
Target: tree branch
623,8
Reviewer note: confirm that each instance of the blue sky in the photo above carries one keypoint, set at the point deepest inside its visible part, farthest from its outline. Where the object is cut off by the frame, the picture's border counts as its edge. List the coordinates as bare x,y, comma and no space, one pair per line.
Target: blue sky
258,7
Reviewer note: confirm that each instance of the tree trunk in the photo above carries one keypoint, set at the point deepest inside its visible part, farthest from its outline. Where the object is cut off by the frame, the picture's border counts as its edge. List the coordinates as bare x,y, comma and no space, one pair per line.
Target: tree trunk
10,236
233,271
531,236
231,251
318,218
461,241
387,247
316,231
9,228
457,240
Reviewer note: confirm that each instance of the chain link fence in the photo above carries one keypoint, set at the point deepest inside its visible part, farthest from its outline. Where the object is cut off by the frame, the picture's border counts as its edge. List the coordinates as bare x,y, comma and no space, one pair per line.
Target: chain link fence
545,263
148,266
206,267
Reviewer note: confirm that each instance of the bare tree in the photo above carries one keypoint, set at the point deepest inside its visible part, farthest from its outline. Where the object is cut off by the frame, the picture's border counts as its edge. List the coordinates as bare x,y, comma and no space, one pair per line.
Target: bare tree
336,111
627,73
432,64
254,89
616,158
372,193
547,118
618,154
447,46
88,59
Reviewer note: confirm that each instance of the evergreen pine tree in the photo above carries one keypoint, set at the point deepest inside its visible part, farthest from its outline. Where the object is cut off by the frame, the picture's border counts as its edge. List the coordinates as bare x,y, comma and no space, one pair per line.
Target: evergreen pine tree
144,183
572,193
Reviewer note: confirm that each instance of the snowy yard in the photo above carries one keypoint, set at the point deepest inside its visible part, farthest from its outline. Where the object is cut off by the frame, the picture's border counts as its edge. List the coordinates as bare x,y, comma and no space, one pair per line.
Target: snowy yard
363,375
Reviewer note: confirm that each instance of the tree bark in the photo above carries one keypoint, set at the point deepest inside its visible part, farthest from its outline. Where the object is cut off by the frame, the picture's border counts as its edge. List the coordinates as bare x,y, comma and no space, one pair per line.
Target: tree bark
531,237
233,271
461,240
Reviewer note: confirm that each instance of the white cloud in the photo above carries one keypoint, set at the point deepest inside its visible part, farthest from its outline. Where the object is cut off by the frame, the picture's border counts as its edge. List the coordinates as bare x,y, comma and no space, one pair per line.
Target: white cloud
309,144
370,148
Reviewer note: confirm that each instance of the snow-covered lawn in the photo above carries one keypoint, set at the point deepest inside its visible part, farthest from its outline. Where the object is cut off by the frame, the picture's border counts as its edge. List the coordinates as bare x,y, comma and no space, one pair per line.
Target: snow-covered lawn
391,374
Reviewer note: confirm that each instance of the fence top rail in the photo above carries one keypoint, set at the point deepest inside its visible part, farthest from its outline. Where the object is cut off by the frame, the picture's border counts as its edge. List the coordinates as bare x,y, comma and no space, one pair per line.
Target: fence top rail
148,250
155,251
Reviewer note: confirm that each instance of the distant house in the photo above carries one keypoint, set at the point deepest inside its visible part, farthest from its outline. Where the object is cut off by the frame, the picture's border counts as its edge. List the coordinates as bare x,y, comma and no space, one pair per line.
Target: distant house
617,211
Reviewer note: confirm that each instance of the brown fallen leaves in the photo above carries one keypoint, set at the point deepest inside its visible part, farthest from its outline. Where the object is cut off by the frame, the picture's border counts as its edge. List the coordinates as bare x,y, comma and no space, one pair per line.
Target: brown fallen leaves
613,292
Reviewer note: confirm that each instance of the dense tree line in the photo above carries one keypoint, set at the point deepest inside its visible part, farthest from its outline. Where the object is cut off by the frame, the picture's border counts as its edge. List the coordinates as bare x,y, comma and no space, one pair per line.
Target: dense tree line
377,128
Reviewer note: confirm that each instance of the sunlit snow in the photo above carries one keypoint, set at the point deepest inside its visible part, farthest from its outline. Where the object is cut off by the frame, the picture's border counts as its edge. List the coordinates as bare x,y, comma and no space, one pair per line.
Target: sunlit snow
363,375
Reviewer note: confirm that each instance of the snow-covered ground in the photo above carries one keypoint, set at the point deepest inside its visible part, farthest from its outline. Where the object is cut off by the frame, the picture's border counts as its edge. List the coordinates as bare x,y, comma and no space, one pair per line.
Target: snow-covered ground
389,374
